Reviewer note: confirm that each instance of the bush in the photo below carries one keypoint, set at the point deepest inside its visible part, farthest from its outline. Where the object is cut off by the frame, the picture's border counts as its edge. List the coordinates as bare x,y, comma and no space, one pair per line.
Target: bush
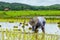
11,21
58,22
15,26
59,25
0,25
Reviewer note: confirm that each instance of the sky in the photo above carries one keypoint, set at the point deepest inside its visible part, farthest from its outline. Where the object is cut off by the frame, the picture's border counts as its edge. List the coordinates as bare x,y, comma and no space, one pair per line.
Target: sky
35,2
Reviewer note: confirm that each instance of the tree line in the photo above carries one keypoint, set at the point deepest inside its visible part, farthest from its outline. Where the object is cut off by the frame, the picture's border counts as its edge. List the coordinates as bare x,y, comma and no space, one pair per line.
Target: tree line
20,6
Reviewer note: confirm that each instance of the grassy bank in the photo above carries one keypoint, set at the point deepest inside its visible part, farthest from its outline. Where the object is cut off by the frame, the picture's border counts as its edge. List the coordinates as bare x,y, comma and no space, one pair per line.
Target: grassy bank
13,14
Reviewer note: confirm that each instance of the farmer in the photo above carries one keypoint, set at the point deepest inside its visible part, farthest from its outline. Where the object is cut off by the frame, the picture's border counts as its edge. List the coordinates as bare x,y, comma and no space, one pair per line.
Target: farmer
37,22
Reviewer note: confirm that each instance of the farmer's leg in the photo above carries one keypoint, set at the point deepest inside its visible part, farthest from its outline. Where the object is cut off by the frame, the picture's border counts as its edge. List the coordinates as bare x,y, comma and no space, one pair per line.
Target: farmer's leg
43,29
37,26
36,29
44,23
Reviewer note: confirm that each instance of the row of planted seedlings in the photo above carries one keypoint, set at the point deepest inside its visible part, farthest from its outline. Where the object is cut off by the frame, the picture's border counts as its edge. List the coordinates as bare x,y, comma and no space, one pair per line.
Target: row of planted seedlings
17,34
59,25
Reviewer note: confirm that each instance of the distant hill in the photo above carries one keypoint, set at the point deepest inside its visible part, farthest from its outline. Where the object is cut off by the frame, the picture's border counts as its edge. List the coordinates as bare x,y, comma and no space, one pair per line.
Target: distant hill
20,6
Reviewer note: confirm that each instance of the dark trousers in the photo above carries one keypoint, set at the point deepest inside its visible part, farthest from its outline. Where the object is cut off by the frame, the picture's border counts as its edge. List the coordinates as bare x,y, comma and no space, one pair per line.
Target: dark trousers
34,28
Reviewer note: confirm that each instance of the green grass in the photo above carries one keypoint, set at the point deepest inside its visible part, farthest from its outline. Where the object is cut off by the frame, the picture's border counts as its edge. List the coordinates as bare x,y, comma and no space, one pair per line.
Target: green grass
15,34
8,16
27,20
29,13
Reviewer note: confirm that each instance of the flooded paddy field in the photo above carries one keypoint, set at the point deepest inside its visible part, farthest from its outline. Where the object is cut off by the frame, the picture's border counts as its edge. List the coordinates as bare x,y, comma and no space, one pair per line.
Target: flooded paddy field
11,29
50,28
7,31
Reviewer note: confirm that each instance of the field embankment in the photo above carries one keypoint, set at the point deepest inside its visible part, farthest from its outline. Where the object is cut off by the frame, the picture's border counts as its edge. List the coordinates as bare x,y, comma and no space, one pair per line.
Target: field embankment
15,14
18,16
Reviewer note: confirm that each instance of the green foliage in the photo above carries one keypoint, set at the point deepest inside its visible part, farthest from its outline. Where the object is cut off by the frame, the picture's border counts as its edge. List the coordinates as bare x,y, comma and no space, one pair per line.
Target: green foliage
30,28
20,6
0,25
23,26
11,21
59,25
58,22
15,26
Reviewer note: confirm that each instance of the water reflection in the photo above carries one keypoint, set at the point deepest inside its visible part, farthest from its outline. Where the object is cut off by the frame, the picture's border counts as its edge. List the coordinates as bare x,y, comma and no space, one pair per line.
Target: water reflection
51,28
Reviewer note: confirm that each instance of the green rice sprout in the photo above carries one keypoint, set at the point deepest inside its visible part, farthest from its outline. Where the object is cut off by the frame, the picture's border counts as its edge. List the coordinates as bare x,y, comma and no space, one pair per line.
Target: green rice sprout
30,28
59,26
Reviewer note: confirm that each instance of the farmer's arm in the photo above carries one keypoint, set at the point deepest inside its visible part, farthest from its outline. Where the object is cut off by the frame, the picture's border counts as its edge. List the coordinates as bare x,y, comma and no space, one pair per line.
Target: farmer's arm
33,28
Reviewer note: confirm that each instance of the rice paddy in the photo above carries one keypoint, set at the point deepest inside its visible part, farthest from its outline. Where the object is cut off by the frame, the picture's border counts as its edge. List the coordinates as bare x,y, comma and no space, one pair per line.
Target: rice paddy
22,20
17,34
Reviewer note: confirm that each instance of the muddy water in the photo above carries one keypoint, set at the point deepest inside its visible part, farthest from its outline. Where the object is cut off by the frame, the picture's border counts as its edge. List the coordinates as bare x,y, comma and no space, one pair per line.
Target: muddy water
51,28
